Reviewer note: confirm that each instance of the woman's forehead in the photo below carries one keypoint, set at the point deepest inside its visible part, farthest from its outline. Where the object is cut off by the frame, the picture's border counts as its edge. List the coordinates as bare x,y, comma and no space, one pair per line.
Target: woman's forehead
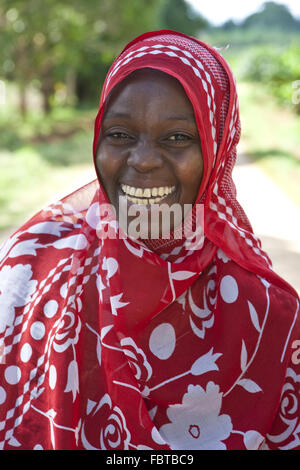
147,86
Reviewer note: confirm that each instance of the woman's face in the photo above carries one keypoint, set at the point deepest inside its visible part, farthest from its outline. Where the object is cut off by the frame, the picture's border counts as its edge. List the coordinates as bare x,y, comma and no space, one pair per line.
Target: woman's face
149,148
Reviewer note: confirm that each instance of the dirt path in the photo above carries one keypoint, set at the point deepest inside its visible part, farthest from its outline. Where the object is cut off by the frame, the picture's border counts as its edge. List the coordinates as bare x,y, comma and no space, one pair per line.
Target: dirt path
274,217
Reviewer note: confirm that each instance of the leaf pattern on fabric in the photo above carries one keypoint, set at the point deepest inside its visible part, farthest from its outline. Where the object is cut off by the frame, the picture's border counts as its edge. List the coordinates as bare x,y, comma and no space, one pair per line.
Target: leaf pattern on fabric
116,304
254,316
49,227
111,266
249,385
28,247
205,363
244,356
73,379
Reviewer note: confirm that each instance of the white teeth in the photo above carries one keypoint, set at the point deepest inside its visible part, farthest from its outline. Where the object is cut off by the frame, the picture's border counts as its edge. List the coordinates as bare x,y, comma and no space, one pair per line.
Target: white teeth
147,192
144,202
161,191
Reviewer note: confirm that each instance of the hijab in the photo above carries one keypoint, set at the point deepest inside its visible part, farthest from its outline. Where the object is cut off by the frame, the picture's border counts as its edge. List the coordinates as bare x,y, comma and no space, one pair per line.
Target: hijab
110,343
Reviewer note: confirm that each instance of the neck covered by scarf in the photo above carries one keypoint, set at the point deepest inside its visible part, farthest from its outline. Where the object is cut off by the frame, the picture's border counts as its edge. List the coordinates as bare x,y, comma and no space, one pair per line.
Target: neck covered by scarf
107,343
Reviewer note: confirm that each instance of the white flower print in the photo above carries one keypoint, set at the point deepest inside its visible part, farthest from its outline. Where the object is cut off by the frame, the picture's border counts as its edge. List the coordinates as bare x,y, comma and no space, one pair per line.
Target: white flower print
108,424
196,423
67,333
16,288
288,416
252,440
137,360
203,318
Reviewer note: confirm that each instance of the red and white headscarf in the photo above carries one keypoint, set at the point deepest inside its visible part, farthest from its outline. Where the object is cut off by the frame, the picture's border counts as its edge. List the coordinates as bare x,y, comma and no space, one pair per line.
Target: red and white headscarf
108,344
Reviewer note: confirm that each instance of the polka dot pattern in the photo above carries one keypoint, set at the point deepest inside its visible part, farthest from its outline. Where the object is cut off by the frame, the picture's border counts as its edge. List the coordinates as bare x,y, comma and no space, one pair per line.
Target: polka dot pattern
52,377
162,341
50,308
12,375
229,289
37,330
2,395
26,352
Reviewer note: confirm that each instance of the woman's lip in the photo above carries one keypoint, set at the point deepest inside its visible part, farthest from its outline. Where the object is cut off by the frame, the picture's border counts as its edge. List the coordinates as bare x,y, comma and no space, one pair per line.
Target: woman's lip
143,185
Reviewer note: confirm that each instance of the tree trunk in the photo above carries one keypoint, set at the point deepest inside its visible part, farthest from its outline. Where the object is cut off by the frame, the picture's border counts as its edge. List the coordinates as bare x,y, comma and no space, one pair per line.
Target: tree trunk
47,90
71,87
22,99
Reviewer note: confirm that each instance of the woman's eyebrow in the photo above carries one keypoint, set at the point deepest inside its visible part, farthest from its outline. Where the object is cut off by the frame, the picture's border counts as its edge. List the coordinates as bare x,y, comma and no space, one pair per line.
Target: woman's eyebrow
182,117
113,114
185,117
177,117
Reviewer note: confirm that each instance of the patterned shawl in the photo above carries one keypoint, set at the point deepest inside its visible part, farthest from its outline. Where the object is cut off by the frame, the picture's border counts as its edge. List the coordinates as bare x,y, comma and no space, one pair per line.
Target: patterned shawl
106,343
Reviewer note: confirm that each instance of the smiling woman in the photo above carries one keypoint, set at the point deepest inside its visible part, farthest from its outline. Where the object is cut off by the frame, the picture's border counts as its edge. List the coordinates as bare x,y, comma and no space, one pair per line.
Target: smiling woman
182,340
149,150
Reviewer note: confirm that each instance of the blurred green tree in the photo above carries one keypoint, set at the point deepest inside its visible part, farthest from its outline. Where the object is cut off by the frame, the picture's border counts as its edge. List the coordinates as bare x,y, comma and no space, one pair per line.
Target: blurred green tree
68,41
113,27
272,15
180,16
40,42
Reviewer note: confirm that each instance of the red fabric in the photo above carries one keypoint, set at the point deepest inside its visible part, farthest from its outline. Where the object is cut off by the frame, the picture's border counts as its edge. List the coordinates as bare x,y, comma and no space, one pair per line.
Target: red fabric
108,344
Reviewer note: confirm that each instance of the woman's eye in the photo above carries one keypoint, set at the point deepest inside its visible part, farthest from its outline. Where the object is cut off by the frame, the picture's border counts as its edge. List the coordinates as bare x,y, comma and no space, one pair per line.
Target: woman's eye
178,138
119,135
119,138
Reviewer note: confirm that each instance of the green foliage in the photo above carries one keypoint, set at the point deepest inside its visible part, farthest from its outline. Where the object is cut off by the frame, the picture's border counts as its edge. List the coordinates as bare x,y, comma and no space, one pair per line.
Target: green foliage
67,41
65,47
179,16
272,15
265,48
28,181
42,158
278,68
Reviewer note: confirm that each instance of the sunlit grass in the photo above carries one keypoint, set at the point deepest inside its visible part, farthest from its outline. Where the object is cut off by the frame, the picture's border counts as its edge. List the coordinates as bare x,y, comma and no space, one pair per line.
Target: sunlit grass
41,158
36,174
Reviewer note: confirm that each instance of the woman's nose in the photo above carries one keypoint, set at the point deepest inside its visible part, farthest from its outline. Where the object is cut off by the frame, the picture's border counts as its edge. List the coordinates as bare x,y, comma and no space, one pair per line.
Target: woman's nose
144,157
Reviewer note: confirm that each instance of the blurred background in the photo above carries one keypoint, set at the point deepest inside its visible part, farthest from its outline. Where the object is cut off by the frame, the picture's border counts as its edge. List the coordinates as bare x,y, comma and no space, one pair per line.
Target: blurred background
54,55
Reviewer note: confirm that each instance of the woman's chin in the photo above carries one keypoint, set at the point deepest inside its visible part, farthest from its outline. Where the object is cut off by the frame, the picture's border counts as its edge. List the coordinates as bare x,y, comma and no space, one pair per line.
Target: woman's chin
152,220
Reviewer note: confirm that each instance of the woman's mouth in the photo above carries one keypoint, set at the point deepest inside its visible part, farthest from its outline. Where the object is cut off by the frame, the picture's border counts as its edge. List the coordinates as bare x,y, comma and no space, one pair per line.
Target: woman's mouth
146,196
